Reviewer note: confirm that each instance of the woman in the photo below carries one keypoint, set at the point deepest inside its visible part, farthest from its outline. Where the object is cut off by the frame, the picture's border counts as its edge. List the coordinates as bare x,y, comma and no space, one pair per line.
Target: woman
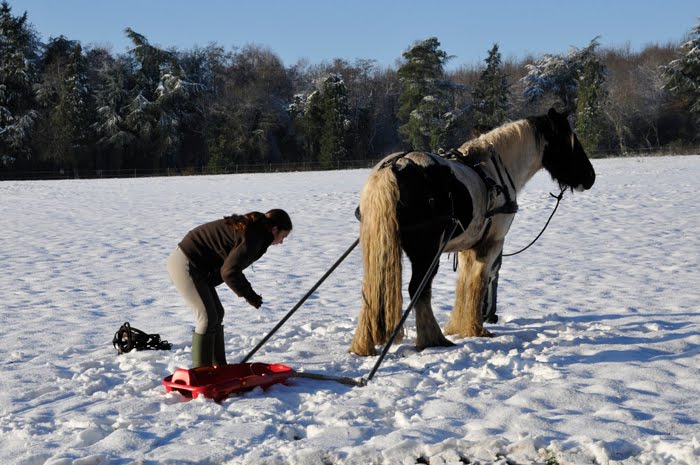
215,253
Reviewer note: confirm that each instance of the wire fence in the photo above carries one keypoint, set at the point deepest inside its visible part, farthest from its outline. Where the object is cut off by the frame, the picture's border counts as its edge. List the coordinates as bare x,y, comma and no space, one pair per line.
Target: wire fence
273,167
186,171
648,152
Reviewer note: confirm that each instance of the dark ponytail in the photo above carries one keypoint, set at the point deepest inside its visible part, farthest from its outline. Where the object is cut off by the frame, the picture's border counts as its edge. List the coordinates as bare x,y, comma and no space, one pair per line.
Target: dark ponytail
275,217
279,218
241,222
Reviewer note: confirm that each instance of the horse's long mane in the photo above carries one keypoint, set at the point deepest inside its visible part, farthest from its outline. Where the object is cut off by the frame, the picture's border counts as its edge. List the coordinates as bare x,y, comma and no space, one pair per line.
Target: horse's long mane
502,137
517,143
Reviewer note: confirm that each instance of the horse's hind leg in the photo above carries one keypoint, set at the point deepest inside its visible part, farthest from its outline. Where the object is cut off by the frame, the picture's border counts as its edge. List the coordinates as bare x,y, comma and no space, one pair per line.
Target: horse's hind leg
467,319
429,333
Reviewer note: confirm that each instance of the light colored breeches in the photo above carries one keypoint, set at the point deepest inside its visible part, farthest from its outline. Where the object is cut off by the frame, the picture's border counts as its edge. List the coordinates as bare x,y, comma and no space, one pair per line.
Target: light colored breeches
208,311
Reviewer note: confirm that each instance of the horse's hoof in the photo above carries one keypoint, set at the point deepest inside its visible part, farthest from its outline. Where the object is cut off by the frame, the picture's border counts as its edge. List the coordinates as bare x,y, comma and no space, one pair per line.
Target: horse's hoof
450,329
442,343
485,333
362,352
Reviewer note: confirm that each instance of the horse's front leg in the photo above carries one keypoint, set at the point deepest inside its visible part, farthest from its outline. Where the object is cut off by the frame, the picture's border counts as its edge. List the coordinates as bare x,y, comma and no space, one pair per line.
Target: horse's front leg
429,332
466,319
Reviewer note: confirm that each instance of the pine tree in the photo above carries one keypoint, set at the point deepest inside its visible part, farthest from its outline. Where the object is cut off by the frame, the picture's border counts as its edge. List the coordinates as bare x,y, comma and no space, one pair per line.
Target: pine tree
427,98
311,124
578,81
18,59
158,99
324,122
64,96
683,74
114,79
491,93
250,108
560,75
592,95
336,121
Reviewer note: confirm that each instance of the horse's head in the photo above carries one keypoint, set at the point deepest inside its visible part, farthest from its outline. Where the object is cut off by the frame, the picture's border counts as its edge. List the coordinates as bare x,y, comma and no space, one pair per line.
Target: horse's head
563,154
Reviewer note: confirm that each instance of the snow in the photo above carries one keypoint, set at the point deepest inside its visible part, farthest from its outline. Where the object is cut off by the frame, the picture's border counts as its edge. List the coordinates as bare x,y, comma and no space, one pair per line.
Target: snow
595,359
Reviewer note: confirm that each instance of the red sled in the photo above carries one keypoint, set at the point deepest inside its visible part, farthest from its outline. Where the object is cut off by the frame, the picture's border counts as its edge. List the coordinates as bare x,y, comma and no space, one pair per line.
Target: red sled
220,382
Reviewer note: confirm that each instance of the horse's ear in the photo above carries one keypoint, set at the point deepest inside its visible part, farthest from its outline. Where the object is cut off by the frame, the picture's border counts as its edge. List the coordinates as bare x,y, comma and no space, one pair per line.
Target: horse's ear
552,113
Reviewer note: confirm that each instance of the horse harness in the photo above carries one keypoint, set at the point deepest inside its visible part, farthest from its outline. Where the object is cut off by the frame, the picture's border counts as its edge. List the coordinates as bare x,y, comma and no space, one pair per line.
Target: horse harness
494,188
510,206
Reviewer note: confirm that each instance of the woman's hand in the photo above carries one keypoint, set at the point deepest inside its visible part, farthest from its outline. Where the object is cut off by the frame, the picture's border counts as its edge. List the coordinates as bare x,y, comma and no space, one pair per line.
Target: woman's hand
255,300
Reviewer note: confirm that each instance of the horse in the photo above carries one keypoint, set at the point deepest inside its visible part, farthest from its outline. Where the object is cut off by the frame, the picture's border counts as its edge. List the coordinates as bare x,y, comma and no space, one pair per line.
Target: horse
410,199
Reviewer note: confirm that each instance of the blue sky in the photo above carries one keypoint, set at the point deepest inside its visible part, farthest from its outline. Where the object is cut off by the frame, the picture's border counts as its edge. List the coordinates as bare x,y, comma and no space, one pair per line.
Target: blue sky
372,29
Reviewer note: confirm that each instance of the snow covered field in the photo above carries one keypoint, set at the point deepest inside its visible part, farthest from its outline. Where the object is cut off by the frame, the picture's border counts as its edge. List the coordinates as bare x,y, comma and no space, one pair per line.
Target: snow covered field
596,358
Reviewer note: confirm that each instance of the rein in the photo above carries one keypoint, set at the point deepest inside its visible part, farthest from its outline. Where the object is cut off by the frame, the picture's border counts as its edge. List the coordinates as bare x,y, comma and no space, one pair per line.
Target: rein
558,197
455,260
511,205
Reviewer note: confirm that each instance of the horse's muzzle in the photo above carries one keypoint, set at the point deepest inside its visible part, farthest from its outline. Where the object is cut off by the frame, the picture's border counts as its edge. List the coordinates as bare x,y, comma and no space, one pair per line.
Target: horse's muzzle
588,183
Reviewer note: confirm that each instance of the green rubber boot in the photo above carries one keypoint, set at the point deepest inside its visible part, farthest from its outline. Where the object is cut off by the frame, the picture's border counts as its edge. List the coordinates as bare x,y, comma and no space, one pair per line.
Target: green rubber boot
202,349
219,347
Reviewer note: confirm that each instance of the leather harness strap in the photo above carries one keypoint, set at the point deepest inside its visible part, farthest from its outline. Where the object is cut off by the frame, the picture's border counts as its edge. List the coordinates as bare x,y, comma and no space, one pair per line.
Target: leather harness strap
493,186
499,187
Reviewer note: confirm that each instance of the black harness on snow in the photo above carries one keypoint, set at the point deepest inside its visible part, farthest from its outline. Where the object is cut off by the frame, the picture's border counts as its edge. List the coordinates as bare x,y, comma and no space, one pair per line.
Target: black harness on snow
128,338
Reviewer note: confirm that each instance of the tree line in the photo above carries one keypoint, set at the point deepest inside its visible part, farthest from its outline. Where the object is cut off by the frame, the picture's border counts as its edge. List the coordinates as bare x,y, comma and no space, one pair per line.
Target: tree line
86,111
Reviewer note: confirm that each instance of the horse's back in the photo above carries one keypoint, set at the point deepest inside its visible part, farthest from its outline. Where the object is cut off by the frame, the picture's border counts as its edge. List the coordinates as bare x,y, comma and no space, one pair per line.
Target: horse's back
401,159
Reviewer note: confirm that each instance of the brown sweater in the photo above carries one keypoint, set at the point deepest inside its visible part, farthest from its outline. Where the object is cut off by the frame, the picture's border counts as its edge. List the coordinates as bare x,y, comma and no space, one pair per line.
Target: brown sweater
220,253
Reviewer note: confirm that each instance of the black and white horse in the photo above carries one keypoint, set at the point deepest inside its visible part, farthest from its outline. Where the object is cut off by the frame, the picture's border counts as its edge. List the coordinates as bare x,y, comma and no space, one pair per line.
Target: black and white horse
410,198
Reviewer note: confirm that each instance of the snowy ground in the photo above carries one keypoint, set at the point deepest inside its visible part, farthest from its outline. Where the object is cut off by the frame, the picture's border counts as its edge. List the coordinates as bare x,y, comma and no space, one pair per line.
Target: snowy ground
596,358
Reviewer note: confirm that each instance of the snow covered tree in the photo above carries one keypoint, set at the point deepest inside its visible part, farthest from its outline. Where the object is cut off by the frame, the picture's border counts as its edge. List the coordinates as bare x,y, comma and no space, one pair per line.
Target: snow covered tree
683,74
592,95
158,99
578,81
309,120
248,115
561,75
427,98
202,66
323,119
143,116
491,93
19,48
363,100
113,81
64,97
336,121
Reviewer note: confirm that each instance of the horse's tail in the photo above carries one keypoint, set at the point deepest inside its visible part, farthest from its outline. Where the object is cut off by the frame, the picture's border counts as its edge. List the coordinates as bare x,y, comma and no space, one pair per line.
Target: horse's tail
381,255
